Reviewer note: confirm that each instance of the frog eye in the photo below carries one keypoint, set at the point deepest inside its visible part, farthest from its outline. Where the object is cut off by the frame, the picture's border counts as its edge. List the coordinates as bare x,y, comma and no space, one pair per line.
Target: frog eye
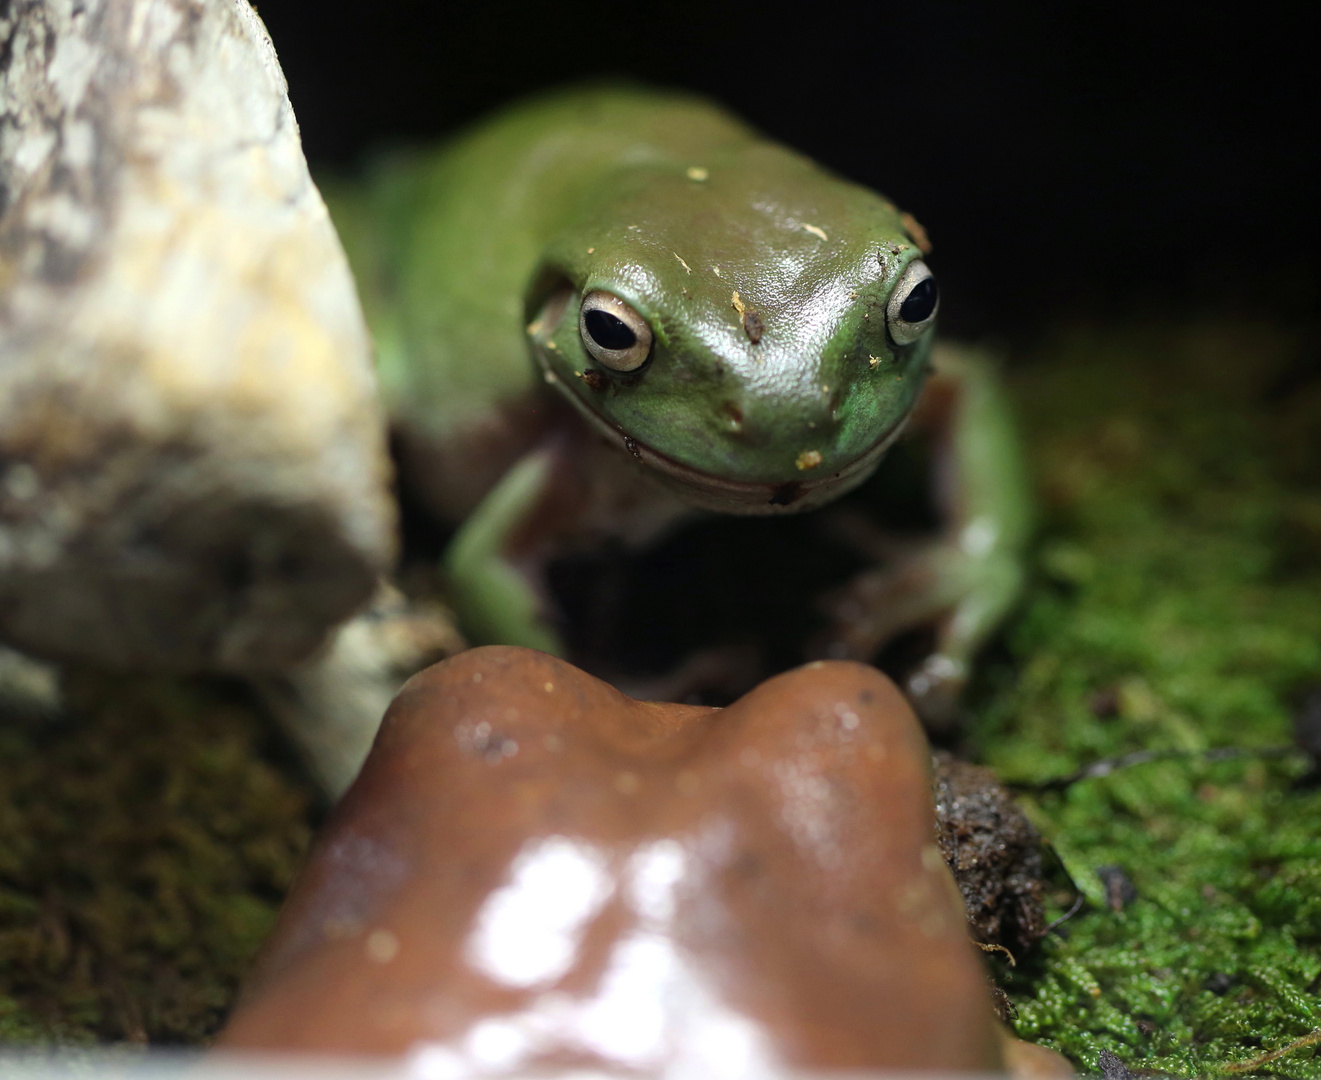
613,332
913,304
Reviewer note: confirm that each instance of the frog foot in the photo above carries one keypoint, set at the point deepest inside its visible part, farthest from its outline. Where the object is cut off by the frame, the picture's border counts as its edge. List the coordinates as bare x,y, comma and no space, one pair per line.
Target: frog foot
916,587
963,595
935,687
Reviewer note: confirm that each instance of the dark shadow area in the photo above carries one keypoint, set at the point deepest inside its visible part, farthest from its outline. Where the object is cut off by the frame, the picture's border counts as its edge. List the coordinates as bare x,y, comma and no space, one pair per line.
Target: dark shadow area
751,587
1065,158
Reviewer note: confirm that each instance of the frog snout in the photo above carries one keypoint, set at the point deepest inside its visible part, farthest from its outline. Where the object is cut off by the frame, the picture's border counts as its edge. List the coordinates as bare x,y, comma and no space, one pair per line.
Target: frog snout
797,442
761,426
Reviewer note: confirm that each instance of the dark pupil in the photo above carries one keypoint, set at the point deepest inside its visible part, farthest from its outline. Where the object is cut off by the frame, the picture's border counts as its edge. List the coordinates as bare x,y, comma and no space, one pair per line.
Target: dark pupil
609,332
921,302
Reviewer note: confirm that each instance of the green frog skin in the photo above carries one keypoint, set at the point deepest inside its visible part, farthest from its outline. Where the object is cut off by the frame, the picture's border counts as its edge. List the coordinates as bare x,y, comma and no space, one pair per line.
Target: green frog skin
605,309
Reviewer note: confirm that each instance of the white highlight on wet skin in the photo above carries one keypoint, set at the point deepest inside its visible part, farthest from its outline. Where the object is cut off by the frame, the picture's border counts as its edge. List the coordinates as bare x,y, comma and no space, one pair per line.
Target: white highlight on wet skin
528,930
808,812
979,536
649,1010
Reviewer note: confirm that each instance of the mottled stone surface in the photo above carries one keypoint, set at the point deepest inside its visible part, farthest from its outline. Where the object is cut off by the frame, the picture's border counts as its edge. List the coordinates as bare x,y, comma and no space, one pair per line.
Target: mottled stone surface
192,464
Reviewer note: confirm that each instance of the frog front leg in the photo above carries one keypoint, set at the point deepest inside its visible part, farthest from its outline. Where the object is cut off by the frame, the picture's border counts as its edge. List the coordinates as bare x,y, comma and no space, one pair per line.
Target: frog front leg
966,579
491,588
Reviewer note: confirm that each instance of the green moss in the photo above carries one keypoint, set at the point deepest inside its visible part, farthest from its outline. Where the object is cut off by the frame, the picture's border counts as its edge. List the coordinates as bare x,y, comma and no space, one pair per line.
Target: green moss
1177,606
145,844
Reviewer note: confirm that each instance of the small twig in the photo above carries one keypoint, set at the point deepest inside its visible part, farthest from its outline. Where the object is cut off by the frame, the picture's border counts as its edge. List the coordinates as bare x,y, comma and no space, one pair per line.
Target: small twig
1106,766
985,947
1312,1038
1077,906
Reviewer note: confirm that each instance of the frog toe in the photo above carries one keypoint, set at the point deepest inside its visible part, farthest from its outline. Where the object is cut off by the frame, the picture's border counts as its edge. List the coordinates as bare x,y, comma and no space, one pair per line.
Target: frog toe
935,689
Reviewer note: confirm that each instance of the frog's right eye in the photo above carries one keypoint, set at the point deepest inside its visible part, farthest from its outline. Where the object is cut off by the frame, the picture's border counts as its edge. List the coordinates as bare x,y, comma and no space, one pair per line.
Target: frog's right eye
913,304
613,332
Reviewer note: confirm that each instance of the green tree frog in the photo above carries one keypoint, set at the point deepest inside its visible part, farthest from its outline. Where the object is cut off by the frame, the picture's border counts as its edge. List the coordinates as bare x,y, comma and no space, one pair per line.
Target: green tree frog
606,309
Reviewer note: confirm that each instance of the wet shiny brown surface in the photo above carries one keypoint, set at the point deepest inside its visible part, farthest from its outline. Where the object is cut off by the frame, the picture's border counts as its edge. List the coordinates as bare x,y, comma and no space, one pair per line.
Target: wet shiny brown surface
535,869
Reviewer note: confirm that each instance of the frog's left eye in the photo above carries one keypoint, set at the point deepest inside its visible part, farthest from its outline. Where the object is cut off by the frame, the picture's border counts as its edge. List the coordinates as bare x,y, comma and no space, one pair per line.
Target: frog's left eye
913,304
613,332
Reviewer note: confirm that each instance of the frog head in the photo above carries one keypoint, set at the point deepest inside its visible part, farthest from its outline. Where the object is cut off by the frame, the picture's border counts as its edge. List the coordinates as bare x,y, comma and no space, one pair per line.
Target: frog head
753,329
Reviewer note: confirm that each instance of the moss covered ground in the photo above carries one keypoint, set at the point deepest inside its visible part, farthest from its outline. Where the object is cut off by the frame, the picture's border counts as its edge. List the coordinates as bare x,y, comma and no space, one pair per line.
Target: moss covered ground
145,845
1177,608
146,840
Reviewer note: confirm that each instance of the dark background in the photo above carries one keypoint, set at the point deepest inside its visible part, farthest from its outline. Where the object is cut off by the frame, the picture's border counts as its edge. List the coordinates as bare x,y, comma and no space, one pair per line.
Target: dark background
1066,159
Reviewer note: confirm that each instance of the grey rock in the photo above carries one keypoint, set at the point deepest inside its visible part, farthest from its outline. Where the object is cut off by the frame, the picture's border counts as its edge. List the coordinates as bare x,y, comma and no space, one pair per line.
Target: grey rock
193,472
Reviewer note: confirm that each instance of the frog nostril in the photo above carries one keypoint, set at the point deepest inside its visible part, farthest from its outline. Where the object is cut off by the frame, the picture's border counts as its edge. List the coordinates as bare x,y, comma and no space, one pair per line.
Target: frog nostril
733,416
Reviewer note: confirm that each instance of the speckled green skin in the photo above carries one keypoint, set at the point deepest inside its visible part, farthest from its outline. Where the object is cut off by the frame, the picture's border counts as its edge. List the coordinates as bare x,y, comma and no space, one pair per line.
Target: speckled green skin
693,219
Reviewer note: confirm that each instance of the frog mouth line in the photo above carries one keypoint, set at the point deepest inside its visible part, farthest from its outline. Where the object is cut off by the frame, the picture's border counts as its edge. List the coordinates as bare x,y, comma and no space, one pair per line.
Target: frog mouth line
752,497
760,497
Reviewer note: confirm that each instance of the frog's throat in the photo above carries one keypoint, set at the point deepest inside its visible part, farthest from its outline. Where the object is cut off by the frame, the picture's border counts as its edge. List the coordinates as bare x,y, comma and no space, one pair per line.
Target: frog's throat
711,492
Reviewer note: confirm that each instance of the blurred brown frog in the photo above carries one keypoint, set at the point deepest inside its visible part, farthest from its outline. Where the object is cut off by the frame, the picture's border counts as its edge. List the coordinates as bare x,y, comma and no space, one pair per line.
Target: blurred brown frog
536,871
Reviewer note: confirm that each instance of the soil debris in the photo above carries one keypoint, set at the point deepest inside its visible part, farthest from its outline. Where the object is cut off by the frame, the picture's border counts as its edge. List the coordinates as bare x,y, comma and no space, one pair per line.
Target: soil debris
994,853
